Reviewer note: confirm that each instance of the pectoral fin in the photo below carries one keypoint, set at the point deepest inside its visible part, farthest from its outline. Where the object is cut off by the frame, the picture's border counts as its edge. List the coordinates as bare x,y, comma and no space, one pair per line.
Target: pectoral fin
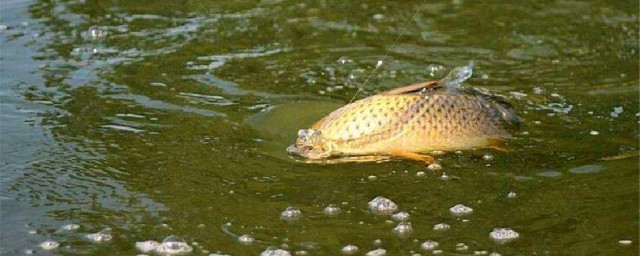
497,144
413,156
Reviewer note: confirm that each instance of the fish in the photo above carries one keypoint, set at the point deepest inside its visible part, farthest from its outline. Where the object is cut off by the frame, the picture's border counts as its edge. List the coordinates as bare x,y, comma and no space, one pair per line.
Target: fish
408,122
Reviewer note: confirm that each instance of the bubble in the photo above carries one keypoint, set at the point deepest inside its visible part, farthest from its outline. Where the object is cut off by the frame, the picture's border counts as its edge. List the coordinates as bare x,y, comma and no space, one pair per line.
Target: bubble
503,235
349,249
331,210
550,174
461,247
32,232
441,227
429,245
173,245
29,251
512,195
487,157
537,90
246,239
434,70
403,229
434,167
444,176
495,254
49,245
480,252
70,227
382,206
377,242
590,168
421,174
157,84
377,252
460,210
372,177
344,60
355,75
291,214
625,242
311,81
436,252
275,252
147,246
616,112
379,63
401,216
378,16
593,132
102,236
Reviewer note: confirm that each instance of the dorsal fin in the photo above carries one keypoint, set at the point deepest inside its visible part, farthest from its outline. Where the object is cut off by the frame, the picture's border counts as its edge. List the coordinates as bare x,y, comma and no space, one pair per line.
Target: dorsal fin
413,88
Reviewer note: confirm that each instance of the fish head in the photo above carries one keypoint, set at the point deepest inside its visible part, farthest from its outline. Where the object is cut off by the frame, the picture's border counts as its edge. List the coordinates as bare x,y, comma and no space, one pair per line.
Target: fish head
310,144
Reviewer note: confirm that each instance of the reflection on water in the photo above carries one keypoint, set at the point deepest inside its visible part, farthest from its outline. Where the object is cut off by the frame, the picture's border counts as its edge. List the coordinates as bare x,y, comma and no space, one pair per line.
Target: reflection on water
135,121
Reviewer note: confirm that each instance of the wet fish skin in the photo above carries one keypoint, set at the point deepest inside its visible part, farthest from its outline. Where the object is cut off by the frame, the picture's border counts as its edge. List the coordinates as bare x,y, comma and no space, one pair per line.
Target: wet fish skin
410,122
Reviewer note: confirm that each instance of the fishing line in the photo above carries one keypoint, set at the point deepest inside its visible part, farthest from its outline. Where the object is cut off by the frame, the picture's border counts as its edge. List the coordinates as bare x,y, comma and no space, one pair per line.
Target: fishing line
386,54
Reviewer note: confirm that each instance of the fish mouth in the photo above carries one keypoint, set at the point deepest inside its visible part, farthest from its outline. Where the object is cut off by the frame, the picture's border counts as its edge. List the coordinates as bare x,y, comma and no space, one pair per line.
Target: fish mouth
307,152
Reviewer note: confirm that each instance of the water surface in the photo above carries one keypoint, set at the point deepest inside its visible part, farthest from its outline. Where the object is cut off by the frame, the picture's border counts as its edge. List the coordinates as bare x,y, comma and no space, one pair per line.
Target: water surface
156,119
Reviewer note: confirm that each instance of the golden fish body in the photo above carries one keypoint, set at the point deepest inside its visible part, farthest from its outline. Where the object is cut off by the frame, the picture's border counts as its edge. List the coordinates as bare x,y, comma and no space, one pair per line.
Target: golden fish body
407,122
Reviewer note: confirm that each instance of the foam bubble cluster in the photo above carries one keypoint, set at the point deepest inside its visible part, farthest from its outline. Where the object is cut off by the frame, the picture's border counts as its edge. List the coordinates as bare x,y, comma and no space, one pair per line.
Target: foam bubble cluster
349,249
173,245
403,229
441,227
434,167
401,216
377,252
461,247
291,214
331,210
275,252
70,227
429,245
102,236
147,246
460,210
503,235
246,239
382,206
49,245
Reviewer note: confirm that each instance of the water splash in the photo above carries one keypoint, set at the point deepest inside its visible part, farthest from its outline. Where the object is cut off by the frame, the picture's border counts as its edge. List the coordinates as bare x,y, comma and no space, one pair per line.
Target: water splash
457,76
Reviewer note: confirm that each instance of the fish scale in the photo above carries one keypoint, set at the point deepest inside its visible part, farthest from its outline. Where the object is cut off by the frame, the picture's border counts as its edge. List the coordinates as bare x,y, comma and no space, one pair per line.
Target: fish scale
437,120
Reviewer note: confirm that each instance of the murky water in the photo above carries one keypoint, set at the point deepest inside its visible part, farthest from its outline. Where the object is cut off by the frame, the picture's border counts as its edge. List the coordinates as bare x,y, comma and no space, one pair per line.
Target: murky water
126,122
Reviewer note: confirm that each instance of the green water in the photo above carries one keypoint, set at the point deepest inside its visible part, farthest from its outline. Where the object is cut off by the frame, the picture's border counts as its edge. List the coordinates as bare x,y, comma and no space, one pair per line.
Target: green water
172,118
